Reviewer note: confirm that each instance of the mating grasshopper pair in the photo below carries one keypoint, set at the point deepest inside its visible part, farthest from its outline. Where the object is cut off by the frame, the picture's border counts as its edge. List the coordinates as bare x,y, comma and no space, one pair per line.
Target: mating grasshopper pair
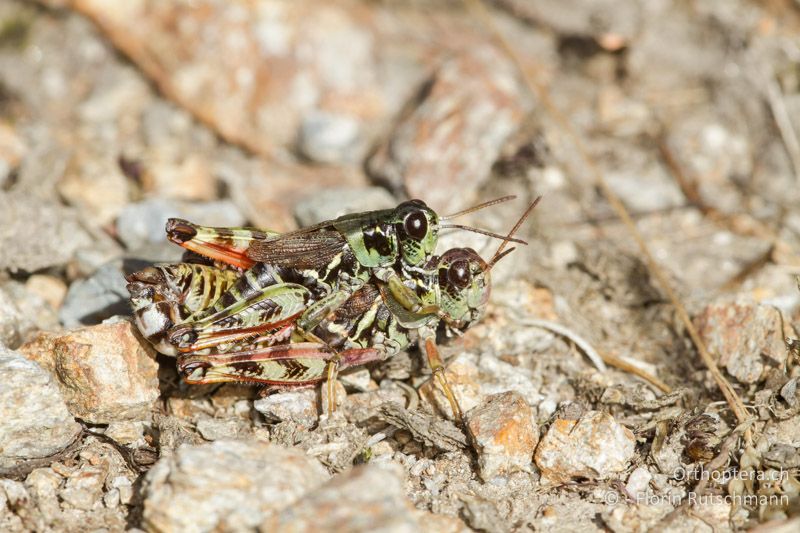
312,302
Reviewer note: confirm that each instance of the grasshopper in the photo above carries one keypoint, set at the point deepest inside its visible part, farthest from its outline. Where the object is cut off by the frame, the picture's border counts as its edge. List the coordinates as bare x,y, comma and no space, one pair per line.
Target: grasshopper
371,325
335,257
220,299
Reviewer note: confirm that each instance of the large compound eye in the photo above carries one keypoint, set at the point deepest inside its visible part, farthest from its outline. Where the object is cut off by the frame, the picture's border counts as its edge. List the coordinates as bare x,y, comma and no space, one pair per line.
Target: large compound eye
459,275
416,225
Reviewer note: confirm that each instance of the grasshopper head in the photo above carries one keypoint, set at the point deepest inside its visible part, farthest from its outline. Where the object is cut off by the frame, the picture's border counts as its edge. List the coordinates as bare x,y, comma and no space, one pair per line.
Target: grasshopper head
464,285
155,306
417,230
463,279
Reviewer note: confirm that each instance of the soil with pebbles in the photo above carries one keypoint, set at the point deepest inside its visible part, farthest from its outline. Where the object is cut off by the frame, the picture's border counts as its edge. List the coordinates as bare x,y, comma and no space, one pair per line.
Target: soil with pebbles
116,116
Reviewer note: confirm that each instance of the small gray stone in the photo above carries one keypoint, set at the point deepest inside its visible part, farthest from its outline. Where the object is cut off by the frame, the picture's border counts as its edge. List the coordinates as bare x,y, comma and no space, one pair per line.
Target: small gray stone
330,138
84,488
35,311
143,222
94,299
34,421
226,486
504,434
126,431
215,429
37,234
638,482
594,447
299,406
111,499
21,313
332,203
43,485
747,337
124,487
640,181
360,380
10,318
366,498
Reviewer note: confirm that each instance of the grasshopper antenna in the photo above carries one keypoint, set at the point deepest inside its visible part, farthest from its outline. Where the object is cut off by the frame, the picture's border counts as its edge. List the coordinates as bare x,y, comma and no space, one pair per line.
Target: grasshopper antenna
498,257
499,254
478,207
478,230
484,232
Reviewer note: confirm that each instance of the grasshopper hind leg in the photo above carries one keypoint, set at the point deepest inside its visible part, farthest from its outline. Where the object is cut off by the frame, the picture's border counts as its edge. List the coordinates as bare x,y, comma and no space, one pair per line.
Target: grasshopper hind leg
284,365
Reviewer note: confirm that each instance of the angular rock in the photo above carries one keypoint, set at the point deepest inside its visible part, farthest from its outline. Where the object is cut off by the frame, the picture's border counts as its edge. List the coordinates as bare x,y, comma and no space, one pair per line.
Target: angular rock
504,433
13,495
331,203
143,222
286,61
96,298
366,498
330,138
37,234
362,406
595,447
359,380
95,185
226,486
126,431
28,309
84,487
455,133
34,421
267,191
43,485
713,149
10,319
638,482
216,429
124,487
641,182
181,177
744,336
299,406
51,289
106,372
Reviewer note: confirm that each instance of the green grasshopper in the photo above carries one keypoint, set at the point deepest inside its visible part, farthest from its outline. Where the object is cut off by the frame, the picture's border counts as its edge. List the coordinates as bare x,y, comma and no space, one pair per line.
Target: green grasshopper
186,293
371,325
334,257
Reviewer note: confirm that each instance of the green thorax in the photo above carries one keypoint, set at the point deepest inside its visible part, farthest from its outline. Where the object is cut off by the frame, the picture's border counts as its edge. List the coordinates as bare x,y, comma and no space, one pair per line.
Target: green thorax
379,238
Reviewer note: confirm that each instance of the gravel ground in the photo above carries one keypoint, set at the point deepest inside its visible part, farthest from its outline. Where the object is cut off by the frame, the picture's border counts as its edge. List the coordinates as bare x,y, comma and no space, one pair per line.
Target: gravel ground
587,403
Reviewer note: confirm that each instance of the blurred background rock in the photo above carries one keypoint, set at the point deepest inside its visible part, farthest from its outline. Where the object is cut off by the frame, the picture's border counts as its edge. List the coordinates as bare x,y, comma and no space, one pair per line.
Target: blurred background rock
115,116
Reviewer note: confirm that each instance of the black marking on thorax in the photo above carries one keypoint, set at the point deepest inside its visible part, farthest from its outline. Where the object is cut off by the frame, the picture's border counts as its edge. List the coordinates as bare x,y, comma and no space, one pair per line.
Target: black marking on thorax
378,238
